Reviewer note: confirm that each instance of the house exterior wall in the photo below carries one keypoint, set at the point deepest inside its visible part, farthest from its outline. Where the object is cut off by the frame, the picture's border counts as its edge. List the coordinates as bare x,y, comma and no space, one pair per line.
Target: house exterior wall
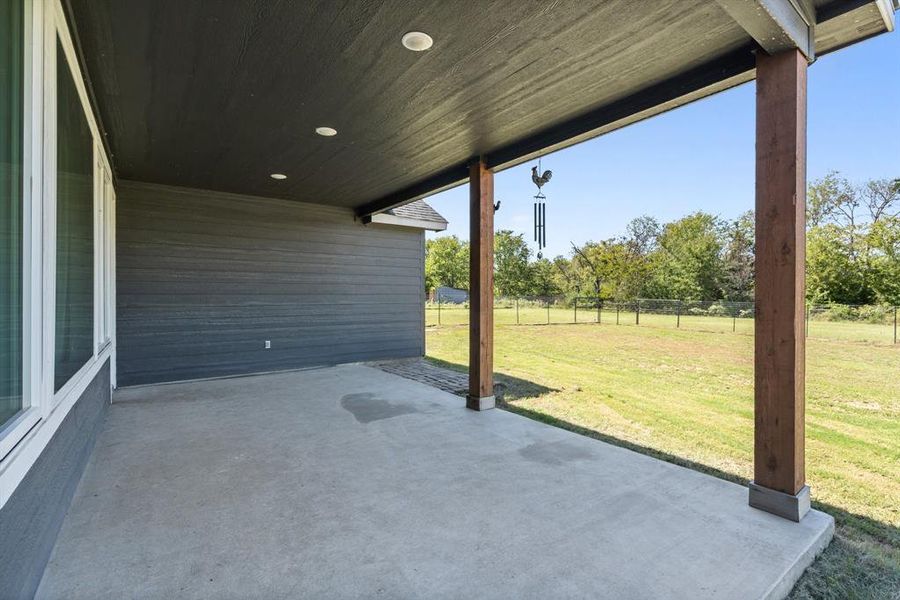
205,278
31,518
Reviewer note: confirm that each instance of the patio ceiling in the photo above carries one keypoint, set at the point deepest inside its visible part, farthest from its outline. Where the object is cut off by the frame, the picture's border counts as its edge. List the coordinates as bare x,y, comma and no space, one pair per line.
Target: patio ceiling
219,94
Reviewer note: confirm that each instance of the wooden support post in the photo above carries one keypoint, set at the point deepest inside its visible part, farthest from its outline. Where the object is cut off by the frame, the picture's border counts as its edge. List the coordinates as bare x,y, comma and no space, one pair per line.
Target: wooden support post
481,288
779,484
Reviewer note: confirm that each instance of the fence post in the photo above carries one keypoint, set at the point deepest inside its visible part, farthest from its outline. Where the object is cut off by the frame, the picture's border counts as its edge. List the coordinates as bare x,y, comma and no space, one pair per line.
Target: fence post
617,313
637,313
734,320
678,315
895,324
548,311
576,310
599,310
439,308
517,310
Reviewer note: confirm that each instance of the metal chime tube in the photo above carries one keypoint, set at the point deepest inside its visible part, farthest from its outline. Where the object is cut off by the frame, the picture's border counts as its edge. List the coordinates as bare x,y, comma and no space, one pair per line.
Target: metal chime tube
543,225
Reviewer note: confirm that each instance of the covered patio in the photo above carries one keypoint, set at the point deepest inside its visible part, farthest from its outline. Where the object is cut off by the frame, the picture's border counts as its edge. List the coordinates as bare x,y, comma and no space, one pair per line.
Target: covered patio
246,173
349,482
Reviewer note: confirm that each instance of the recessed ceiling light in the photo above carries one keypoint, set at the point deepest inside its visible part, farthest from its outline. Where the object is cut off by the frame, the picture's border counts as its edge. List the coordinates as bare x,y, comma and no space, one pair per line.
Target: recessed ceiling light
278,176
416,41
326,131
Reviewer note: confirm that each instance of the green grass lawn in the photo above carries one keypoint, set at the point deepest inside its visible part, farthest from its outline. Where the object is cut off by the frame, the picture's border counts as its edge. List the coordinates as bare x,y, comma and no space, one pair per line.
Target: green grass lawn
686,395
532,314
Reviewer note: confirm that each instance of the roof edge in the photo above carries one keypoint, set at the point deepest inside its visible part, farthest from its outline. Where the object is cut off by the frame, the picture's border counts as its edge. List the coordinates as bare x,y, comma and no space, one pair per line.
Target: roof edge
388,219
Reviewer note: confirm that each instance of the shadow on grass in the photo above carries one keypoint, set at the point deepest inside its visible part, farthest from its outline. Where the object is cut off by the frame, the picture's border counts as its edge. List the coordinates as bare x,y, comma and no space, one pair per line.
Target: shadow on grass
863,560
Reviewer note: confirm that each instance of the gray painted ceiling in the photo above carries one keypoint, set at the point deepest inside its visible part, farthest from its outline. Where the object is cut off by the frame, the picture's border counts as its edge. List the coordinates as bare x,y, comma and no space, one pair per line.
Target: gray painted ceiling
218,94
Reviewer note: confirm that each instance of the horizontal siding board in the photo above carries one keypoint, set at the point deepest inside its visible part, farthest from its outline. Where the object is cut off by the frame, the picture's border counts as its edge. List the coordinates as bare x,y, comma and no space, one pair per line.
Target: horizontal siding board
203,279
165,343
274,286
213,260
252,299
177,372
239,236
150,315
320,348
256,328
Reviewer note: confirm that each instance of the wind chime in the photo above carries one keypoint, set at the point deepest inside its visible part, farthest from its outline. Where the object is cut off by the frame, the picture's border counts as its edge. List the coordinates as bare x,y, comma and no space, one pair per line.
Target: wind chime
540,208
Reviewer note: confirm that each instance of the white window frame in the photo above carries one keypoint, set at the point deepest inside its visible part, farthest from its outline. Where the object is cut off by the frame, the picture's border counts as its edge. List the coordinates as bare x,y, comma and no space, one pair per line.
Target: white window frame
23,438
104,205
13,431
60,32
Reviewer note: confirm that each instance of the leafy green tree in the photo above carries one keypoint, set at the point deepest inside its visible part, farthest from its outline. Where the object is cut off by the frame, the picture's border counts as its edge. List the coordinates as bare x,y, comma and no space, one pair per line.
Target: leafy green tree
853,254
687,264
739,245
511,256
885,241
446,263
831,199
613,268
850,255
564,278
547,278
832,273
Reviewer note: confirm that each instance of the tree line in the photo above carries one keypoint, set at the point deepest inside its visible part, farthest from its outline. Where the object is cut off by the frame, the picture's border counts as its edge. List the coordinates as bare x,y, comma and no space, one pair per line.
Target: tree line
853,254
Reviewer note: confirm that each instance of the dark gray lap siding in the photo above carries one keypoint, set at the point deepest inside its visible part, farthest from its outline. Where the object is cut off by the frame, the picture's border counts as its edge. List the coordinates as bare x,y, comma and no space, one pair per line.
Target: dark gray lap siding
31,518
203,279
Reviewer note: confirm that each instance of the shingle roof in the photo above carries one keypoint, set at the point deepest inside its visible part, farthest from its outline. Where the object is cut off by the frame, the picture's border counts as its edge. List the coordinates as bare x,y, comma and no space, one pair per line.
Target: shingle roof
418,209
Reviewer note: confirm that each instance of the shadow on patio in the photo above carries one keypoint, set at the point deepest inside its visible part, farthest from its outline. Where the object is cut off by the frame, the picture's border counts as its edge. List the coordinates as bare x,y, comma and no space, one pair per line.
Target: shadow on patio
860,555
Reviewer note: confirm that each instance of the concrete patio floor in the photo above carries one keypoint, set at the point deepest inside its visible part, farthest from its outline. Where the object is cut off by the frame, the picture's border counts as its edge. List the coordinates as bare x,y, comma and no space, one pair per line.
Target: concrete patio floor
349,482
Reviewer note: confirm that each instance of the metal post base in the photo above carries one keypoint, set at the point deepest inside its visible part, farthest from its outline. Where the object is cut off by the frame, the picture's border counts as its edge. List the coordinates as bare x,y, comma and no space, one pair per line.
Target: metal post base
485,403
789,506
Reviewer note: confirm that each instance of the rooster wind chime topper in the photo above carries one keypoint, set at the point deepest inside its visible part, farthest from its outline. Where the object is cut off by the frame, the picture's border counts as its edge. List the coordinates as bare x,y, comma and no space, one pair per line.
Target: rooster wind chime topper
540,208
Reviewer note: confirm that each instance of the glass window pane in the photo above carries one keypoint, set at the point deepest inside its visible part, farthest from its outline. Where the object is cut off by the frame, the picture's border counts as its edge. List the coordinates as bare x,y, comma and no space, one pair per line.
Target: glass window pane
74,229
12,70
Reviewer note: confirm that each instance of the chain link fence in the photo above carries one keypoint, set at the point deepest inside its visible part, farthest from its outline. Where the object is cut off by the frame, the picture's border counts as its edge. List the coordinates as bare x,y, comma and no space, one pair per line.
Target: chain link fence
867,323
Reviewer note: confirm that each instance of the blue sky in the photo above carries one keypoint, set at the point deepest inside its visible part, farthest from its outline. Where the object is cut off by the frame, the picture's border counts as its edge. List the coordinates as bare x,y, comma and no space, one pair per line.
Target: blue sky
701,156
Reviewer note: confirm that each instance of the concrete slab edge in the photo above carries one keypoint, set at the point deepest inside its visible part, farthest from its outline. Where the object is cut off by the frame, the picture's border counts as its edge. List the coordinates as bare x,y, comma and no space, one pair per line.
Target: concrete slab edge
783,586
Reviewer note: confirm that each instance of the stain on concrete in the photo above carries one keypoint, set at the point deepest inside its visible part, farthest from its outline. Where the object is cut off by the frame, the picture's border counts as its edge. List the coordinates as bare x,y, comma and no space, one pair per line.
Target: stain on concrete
555,453
365,407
